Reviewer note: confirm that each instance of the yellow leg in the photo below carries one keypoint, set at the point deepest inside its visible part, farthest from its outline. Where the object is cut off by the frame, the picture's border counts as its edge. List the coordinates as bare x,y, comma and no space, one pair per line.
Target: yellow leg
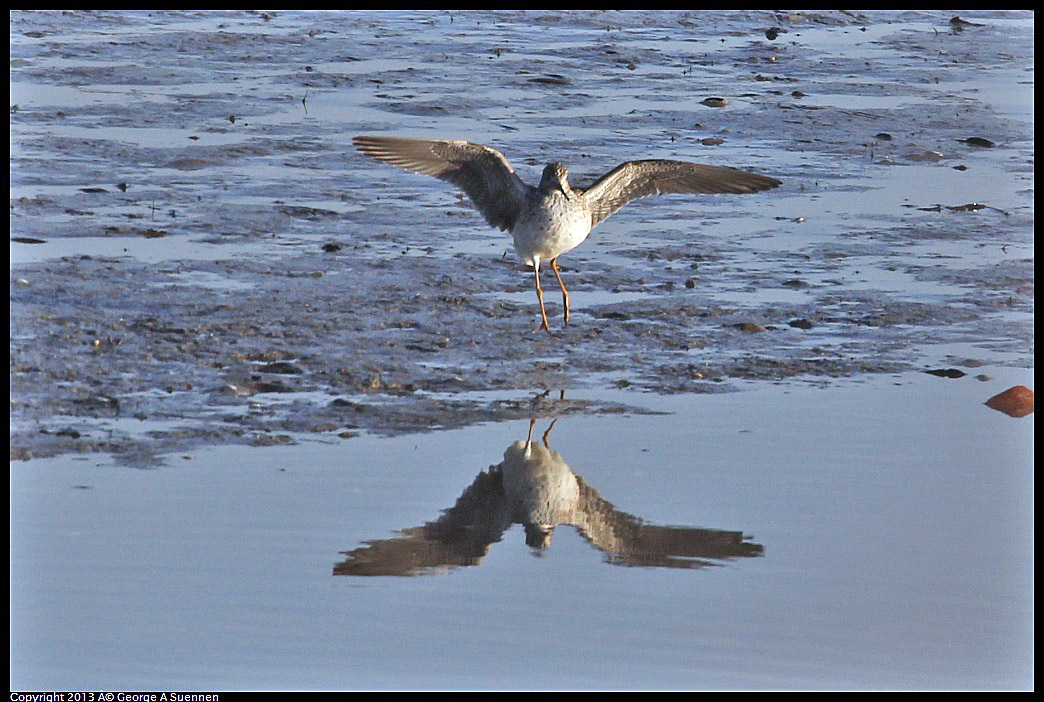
548,432
540,299
565,293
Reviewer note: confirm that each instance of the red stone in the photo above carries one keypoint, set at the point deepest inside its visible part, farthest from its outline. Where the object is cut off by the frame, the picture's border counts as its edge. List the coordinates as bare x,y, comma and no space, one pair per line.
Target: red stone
1014,402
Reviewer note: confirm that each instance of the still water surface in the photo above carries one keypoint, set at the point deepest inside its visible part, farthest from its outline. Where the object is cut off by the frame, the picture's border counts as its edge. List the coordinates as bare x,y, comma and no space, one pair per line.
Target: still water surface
897,553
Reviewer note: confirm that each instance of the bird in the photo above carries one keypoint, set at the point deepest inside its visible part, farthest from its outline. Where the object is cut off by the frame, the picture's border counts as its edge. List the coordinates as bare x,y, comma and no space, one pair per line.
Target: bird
554,217
535,487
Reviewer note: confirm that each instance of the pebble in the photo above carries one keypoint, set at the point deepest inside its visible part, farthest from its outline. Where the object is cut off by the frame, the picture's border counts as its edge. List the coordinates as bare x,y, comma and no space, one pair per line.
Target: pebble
1015,402
978,141
946,372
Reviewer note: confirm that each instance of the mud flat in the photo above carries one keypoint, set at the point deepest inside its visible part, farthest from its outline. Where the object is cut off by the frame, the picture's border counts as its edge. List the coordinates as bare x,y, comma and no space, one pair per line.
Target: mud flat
198,256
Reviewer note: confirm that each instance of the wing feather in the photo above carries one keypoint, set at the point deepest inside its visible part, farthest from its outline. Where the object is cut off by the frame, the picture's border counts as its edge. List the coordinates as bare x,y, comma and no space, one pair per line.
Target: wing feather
637,179
481,172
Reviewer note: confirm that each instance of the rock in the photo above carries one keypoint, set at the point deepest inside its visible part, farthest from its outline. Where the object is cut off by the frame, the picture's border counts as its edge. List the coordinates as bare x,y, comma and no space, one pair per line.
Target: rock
1016,401
946,372
272,440
280,367
925,156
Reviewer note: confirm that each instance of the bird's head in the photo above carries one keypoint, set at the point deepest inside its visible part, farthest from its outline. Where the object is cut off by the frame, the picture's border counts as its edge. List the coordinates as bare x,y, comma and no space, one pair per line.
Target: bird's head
538,536
556,177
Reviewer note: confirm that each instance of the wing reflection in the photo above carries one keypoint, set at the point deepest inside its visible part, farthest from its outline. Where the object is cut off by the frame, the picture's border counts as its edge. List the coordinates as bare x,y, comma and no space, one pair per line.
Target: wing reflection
534,486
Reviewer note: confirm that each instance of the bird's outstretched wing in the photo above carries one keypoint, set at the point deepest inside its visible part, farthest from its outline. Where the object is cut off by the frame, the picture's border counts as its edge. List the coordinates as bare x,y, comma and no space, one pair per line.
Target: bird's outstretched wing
627,540
637,179
481,172
460,537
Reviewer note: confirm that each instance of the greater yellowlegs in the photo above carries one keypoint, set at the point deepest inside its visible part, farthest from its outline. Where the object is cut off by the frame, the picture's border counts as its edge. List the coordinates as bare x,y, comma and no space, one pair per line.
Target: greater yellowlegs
552,218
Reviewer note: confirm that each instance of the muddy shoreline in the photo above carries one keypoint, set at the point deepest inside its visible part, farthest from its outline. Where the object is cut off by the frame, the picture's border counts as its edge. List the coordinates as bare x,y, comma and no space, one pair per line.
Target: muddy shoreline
246,278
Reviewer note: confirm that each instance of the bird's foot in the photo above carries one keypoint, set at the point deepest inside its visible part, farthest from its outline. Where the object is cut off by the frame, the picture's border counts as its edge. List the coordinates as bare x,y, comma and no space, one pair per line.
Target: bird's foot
543,327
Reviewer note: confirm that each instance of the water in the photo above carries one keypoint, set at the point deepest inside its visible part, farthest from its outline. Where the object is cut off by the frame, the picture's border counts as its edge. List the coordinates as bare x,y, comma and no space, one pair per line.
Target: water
887,561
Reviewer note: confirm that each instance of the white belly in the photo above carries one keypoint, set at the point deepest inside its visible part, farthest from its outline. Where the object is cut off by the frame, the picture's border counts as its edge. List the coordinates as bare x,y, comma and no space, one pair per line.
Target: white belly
548,231
542,489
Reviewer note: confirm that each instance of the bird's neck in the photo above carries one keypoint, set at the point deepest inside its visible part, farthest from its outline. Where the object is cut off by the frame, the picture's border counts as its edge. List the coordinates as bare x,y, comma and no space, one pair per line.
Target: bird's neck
560,187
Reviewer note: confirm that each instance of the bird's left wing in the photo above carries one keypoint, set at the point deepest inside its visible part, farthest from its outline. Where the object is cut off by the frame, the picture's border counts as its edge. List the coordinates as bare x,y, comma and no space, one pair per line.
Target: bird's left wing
637,179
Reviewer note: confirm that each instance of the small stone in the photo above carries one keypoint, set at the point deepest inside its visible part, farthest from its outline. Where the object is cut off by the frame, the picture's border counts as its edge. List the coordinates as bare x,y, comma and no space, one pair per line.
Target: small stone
1016,401
978,141
946,372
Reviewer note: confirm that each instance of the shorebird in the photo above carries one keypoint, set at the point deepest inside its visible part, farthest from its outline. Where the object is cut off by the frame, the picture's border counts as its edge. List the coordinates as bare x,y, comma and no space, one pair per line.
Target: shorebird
535,487
554,217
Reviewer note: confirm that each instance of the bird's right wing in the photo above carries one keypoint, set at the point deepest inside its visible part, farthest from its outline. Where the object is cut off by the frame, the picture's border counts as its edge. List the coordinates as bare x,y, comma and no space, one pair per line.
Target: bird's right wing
481,172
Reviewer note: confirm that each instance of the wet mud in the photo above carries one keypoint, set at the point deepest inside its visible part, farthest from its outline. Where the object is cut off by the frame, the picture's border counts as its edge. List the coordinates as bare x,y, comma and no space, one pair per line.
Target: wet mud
199,256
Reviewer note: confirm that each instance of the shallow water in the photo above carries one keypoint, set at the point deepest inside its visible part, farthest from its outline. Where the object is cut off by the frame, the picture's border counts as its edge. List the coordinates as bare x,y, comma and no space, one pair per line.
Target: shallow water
306,350
895,555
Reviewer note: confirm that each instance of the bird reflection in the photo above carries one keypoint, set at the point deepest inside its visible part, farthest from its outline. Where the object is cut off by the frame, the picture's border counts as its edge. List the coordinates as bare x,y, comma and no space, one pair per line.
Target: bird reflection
534,486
